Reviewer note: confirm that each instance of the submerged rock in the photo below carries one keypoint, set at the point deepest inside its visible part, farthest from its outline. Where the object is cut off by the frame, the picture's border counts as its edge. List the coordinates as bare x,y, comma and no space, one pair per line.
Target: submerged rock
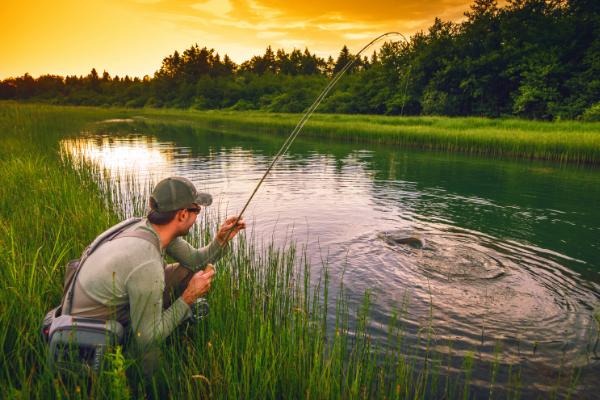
395,238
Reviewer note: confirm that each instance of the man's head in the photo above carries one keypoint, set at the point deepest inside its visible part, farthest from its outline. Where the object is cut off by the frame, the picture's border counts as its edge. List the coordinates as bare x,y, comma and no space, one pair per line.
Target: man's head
175,200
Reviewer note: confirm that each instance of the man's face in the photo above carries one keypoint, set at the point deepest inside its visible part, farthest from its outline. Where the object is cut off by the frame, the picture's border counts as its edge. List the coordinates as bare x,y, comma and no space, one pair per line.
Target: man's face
188,218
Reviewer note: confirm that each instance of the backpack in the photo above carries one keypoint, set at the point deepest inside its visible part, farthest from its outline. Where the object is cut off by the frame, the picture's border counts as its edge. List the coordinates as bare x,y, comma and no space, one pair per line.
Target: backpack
79,343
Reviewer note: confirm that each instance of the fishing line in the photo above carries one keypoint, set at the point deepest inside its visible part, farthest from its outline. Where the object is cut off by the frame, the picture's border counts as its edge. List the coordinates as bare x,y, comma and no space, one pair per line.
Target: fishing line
307,114
405,89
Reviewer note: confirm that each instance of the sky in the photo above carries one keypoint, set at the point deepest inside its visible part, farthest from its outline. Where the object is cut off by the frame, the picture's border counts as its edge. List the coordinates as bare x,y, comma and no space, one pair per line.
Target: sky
131,37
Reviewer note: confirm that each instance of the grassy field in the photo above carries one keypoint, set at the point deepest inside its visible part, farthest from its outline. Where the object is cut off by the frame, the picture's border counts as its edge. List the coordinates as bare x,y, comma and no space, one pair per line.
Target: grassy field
266,336
569,141
563,141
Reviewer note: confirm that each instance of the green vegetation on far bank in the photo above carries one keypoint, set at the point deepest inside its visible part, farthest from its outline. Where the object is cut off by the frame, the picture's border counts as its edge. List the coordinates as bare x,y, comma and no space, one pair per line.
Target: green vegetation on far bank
266,336
562,141
565,141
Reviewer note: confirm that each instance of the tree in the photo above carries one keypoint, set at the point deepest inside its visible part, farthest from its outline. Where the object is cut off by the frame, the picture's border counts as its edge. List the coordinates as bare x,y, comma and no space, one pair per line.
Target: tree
261,64
93,81
310,64
342,60
538,93
228,65
532,58
329,66
169,67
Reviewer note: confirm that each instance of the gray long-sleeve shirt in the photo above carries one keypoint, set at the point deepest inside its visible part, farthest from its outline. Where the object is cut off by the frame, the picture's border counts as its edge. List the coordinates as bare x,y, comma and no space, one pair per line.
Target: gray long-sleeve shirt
126,277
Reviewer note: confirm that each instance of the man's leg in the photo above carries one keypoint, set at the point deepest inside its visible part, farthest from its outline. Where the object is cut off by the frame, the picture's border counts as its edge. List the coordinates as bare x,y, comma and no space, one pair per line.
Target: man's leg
177,278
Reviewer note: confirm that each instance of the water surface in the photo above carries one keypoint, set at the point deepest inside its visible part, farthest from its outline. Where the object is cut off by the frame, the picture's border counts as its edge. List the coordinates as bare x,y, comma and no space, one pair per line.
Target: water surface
511,248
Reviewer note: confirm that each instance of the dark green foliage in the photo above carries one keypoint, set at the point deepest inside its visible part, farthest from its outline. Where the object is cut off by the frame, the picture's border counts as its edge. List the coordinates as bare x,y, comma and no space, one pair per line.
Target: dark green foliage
535,59
592,113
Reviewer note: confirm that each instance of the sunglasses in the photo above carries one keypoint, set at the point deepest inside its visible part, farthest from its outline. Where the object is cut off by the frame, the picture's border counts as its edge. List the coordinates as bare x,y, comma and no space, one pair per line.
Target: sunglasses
194,209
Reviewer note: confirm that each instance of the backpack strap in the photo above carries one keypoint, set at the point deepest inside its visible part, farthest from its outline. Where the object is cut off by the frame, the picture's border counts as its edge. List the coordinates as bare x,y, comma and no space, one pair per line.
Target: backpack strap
115,232
141,234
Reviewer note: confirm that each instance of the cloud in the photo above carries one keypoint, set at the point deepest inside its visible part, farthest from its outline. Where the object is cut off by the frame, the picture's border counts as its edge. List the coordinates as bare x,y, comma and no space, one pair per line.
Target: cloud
215,7
269,34
313,12
378,11
132,36
248,26
360,36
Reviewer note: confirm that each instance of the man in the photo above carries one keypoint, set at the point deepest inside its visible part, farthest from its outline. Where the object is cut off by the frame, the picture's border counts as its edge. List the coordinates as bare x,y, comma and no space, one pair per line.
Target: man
127,278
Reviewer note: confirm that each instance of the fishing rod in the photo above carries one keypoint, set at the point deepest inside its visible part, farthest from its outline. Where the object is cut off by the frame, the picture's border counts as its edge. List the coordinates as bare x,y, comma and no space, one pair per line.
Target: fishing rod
307,114
200,308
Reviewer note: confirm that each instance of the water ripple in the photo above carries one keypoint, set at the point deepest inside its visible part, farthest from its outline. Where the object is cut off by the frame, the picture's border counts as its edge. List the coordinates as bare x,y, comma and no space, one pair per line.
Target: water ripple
480,278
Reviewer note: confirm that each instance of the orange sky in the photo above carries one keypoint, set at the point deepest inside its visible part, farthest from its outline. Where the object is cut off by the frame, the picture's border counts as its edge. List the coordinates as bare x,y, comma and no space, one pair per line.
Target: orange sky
133,36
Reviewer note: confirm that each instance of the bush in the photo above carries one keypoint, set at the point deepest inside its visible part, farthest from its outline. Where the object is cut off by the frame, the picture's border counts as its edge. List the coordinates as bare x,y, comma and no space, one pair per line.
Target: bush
243,105
592,113
339,102
435,102
153,102
200,103
135,103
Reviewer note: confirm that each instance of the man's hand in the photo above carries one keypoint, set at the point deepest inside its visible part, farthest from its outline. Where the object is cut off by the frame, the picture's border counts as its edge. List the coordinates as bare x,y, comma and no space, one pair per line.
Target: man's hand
227,231
198,285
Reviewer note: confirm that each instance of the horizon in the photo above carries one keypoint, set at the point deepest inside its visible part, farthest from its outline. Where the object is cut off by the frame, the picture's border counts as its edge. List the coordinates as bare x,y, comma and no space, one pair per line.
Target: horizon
144,32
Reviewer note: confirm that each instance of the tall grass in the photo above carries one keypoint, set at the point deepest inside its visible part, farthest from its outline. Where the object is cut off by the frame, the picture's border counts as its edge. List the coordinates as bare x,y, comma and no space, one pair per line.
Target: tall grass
267,335
47,214
563,141
568,141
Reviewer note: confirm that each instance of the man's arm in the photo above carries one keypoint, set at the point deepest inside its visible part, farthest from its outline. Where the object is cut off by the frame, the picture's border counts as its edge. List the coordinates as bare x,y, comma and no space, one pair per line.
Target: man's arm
149,322
193,258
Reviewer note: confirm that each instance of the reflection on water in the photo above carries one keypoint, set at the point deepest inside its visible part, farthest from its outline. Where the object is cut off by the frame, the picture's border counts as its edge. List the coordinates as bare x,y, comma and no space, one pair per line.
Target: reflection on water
119,157
510,254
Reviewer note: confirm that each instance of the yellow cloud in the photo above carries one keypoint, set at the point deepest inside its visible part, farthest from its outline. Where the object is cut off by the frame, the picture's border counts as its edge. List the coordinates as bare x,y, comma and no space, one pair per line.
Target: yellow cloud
216,7
374,11
269,34
318,24
132,36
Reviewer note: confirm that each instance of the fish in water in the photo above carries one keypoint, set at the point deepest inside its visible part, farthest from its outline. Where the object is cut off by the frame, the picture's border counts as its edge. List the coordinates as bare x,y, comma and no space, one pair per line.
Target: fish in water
395,238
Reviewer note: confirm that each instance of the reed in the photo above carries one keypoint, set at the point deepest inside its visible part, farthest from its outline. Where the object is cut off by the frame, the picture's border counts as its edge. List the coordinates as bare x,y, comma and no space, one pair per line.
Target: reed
563,141
267,335
567,141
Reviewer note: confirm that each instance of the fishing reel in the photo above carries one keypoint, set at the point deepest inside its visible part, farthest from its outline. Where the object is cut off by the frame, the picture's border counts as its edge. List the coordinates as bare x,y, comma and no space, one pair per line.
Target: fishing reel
200,309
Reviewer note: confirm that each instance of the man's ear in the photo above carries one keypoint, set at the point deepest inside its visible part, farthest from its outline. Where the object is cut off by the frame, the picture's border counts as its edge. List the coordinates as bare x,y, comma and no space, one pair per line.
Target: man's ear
180,216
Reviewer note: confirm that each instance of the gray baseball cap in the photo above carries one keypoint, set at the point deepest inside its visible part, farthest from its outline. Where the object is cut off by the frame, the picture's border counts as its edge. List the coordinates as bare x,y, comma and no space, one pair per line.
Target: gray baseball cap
175,193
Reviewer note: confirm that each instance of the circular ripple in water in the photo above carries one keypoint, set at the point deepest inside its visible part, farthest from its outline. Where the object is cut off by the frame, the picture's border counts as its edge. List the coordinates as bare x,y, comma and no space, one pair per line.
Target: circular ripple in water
480,289
459,260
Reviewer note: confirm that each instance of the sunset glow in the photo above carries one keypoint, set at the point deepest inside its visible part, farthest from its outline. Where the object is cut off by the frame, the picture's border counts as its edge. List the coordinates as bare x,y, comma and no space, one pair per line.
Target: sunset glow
132,36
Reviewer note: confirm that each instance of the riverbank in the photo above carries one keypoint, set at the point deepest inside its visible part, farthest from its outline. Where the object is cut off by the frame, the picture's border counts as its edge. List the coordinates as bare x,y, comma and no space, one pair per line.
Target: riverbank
569,141
266,336
563,141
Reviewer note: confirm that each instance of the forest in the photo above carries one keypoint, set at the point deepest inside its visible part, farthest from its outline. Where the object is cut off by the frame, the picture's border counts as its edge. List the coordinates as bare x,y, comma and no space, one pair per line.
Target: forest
535,59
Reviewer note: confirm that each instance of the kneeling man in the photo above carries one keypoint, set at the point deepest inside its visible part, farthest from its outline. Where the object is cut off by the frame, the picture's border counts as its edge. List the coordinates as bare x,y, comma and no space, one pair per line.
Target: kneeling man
127,278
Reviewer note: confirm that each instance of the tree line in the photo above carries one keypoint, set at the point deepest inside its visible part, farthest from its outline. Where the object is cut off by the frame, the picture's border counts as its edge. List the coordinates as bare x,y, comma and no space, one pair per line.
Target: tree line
536,59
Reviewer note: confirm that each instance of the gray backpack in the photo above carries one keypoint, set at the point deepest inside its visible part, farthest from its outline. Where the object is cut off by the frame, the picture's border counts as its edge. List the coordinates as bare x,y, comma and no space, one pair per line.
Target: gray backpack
78,344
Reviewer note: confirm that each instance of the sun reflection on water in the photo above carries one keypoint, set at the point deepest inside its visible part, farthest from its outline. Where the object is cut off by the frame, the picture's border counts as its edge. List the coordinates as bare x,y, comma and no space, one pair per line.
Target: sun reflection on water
121,157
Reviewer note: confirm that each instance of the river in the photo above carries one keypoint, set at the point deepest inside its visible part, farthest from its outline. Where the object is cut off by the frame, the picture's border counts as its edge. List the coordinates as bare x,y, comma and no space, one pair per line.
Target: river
510,262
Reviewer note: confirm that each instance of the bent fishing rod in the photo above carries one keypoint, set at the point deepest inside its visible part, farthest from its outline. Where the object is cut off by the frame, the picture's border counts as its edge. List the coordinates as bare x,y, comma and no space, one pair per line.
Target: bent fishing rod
305,117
